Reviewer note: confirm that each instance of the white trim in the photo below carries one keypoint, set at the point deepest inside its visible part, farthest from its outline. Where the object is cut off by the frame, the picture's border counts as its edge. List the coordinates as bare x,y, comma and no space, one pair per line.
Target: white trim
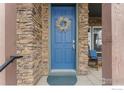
89,38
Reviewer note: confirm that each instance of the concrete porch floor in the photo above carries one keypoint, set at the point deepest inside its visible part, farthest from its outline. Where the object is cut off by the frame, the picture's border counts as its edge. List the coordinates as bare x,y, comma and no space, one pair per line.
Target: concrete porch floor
94,77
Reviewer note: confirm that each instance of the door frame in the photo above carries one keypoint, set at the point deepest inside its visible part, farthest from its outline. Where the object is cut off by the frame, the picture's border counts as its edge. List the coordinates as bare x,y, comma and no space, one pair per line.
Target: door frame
49,39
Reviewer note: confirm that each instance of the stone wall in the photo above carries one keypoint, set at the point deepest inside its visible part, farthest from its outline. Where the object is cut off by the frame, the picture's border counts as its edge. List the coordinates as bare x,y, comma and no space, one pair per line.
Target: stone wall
82,39
95,21
45,35
32,31
25,44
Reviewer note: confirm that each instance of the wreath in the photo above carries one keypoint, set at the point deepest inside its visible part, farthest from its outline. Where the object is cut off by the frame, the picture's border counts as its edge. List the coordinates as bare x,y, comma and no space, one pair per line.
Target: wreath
63,23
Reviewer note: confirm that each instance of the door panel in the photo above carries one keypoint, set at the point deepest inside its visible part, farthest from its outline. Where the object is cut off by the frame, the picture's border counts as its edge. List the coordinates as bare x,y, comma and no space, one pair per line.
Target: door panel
63,53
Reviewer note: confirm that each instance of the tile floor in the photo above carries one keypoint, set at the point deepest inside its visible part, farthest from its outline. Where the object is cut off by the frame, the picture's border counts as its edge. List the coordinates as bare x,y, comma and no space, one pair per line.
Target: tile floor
94,77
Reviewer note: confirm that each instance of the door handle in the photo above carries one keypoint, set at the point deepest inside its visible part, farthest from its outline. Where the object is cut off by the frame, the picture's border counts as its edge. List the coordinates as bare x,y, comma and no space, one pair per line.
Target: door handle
73,45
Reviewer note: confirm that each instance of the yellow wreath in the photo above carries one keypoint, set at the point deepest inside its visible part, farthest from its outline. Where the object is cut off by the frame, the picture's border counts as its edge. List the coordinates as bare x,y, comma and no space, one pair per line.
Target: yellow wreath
64,20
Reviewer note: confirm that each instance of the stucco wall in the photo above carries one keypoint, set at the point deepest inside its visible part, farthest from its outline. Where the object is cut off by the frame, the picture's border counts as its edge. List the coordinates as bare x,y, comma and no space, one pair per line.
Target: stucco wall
32,41
107,44
10,42
113,44
2,41
7,42
117,18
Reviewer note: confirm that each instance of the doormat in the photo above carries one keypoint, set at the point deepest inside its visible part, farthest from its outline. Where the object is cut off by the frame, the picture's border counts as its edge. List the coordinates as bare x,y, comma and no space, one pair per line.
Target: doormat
62,80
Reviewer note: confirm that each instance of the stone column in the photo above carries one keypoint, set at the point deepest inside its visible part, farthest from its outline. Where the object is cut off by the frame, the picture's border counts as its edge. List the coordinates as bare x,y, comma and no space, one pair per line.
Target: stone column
32,42
82,39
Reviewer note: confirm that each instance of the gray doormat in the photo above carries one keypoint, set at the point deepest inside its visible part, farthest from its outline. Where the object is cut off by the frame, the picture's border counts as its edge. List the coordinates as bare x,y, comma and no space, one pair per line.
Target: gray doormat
62,80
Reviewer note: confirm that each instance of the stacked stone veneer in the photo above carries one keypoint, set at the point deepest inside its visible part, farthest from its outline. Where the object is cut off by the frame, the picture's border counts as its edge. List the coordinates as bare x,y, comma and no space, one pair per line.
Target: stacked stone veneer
82,39
32,41
32,38
95,21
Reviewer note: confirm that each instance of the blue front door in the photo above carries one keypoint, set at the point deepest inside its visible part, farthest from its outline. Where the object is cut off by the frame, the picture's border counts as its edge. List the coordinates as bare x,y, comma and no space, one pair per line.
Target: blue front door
63,37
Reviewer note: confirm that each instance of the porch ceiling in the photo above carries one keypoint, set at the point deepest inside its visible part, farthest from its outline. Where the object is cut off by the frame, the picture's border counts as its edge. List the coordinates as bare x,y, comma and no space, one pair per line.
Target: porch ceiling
95,9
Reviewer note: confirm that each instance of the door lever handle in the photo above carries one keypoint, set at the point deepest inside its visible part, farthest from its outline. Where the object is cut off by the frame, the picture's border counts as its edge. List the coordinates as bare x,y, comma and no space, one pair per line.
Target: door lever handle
73,41
73,46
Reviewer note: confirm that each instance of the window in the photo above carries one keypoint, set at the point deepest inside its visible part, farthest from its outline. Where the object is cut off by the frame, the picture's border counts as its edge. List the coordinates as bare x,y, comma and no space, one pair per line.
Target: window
95,39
